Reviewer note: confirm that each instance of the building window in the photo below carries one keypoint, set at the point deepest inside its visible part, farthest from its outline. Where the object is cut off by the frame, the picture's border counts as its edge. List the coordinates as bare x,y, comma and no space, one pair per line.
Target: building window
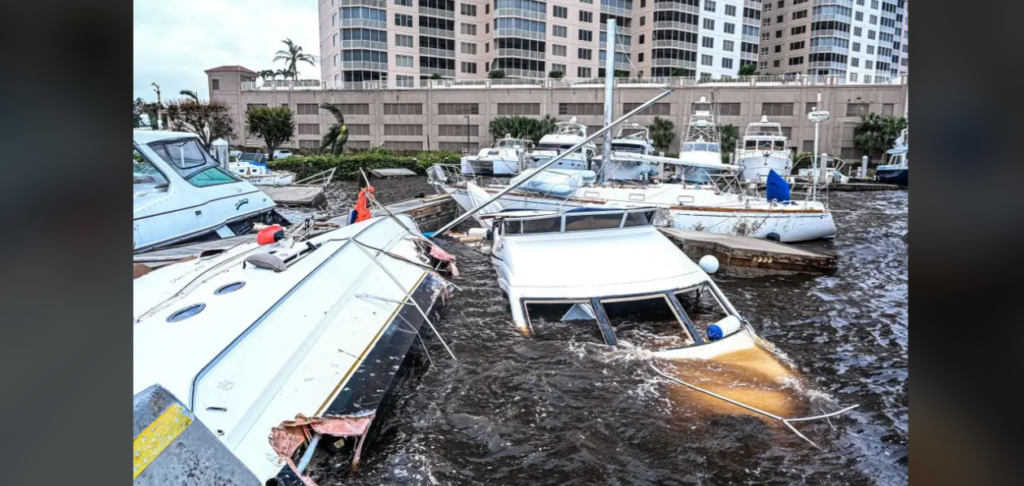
525,108
458,130
857,109
796,61
307,109
469,67
587,17
335,60
856,47
586,35
871,49
778,34
729,28
855,62
708,42
309,144
358,130
591,2
334,19
467,29
404,61
871,34
887,108
487,28
403,108
403,40
582,53
777,109
853,77
402,82
779,19
726,63
709,24
801,14
709,5
858,16
857,31
404,3
793,46
764,51
559,68
867,79
403,147
334,40
873,20
468,48
560,31
869,64
657,109
403,20
215,85
466,9
353,109
558,50
403,130
730,10
728,109
583,72
707,60
487,8
640,57
580,108
309,129
560,12
641,39
458,108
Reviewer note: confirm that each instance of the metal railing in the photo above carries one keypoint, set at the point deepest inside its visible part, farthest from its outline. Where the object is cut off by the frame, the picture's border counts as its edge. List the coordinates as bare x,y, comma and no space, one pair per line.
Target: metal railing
748,56
826,65
364,44
372,24
519,12
831,16
620,28
436,12
366,3
674,63
618,11
430,51
671,24
753,39
679,7
618,47
526,34
525,73
519,53
367,65
841,3
830,48
433,70
449,34
830,33
676,44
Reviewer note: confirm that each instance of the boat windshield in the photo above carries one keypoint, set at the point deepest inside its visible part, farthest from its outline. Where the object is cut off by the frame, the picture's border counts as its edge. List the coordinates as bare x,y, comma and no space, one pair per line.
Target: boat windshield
701,147
558,147
146,177
508,143
656,321
765,145
628,147
577,221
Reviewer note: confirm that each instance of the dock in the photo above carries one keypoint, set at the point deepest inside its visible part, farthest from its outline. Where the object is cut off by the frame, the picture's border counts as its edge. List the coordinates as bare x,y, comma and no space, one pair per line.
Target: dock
388,173
741,256
296,194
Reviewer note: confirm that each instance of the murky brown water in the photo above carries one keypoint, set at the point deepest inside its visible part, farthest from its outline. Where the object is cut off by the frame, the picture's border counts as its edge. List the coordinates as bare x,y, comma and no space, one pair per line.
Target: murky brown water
517,410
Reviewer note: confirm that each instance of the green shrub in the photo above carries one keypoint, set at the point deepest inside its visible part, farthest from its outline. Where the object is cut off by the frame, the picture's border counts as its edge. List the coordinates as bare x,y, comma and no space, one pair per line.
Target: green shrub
348,165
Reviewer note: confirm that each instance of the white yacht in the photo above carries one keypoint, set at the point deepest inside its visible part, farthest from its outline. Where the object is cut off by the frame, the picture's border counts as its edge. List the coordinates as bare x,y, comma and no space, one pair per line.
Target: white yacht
181,193
764,149
568,134
700,156
896,169
272,346
505,158
633,138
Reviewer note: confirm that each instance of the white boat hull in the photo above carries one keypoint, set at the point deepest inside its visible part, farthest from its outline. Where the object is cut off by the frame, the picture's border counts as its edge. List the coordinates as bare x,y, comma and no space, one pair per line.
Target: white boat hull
272,179
757,167
496,167
570,163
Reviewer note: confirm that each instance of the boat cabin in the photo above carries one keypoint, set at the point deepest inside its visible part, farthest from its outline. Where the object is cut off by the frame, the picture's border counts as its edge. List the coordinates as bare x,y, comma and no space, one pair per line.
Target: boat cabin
514,143
764,136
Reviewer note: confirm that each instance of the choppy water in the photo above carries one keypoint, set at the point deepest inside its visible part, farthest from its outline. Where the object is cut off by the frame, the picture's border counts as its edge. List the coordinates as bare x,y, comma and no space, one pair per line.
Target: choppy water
517,410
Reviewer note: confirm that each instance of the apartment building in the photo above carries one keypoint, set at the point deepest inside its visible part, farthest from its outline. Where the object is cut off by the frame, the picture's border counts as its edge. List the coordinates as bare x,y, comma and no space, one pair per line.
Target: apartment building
403,41
857,40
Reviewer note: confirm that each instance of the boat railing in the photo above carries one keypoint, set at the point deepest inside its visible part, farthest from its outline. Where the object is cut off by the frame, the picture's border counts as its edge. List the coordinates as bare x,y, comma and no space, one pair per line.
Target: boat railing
318,179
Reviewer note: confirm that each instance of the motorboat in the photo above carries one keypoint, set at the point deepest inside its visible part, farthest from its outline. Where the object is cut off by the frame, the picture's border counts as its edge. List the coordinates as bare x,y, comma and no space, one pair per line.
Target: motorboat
505,158
276,346
632,159
566,136
181,194
700,155
896,169
252,167
633,138
765,149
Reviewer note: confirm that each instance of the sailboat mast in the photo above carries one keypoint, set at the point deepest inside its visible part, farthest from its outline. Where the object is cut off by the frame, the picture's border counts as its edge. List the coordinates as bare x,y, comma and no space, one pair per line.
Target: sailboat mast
609,80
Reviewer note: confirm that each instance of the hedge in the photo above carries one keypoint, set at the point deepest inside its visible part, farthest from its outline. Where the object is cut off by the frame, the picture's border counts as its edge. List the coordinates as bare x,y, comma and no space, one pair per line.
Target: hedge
348,165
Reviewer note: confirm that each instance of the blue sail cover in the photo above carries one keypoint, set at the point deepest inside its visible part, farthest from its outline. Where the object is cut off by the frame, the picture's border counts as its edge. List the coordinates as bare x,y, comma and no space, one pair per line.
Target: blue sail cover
777,188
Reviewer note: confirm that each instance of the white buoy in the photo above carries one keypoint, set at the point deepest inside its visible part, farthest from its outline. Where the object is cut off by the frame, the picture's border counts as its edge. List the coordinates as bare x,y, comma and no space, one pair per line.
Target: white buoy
708,263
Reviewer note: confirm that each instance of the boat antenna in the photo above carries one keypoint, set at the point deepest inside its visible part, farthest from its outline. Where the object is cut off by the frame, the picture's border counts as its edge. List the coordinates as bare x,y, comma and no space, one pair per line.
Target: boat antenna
547,164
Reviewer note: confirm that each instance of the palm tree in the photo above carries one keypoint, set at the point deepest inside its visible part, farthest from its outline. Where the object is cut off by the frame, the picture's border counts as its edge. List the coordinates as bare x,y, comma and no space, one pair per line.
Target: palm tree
284,73
292,57
189,94
662,132
877,133
266,73
337,135
727,137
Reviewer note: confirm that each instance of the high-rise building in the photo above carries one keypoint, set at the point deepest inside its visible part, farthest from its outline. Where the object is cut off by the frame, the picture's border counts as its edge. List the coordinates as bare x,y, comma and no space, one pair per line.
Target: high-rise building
403,41
862,41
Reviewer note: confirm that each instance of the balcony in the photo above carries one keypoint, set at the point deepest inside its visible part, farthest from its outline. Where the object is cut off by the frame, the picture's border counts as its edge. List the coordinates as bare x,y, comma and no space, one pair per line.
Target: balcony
430,51
674,63
364,65
752,22
521,13
519,53
835,49
831,16
841,3
669,24
618,47
751,4
827,65
364,44
887,29
748,56
678,7
620,29
371,24
525,34
753,39
442,72
675,44
523,73
448,34
617,11
365,3
621,66
436,12
830,33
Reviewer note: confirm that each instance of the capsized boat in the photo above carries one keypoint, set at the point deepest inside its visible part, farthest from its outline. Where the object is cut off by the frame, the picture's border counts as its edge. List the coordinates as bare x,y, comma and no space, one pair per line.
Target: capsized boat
896,169
274,346
182,194
566,136
252,167
505,158
765,149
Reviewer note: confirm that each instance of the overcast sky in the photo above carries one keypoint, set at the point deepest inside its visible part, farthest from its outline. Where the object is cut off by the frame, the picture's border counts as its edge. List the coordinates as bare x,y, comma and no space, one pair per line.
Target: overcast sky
175,41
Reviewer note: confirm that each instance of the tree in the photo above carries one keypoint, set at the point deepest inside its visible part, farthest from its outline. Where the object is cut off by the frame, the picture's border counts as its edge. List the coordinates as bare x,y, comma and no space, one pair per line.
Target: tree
266,73
679,72
208,120
621,73
337,135
662,132
274,125
292,57
522,127
876,133
727,137
556,75
496,74
138,107
436,76
748,70
189,94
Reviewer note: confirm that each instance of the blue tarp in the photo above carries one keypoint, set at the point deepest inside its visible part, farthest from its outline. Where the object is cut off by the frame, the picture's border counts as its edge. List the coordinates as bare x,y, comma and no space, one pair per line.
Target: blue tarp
777,188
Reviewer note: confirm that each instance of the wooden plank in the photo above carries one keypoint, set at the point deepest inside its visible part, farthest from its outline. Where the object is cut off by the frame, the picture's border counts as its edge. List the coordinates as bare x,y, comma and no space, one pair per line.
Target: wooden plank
749,257
385,173
295,195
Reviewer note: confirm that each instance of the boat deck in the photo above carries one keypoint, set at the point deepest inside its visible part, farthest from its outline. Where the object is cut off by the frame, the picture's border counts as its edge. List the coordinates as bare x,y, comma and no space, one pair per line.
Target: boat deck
741,256
296,194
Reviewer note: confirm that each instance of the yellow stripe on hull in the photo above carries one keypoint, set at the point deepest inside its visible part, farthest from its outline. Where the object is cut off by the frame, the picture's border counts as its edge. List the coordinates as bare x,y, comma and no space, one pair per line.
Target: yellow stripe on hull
160,434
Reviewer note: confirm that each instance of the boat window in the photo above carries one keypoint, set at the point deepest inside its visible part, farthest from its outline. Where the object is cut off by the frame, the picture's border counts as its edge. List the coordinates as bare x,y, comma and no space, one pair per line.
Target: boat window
211,177
592,222
514,227
780,145
146,177
764,145
700,147
714,147
640,218
646,321
564,321
750,144
702,307
185,156
545,225
687,147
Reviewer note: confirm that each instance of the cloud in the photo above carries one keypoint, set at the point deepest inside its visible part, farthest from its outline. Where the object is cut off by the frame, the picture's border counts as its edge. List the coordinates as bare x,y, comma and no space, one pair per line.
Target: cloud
175,42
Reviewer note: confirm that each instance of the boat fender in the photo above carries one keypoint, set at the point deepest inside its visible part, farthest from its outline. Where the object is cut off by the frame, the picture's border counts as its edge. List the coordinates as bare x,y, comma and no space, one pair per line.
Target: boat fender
270,234
267,261
723,328
773,237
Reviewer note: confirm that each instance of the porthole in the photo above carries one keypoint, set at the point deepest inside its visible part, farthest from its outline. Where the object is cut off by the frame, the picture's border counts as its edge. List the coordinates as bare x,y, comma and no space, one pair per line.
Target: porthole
186,312
231,287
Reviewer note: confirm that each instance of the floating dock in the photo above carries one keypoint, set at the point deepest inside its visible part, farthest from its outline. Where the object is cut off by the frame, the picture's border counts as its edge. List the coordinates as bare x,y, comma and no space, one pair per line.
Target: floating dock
740,256
388,173
296,194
